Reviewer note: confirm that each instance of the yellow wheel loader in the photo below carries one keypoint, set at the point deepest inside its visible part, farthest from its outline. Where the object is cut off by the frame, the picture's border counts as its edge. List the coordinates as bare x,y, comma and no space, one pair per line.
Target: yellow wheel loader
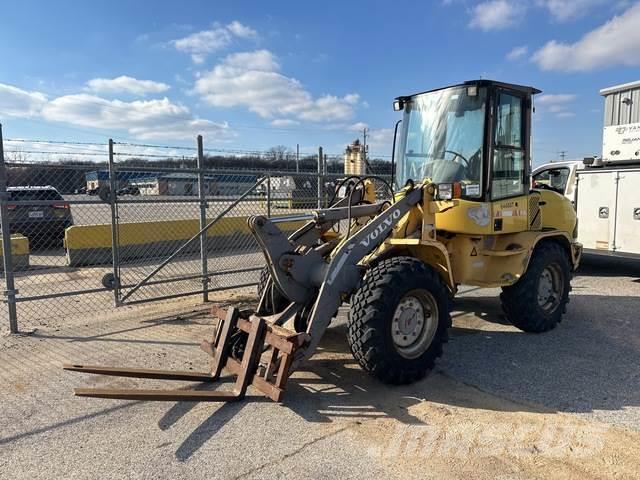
464,212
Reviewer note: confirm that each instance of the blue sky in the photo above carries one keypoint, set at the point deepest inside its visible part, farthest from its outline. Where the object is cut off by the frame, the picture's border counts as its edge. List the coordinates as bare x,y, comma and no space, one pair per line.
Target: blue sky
251,75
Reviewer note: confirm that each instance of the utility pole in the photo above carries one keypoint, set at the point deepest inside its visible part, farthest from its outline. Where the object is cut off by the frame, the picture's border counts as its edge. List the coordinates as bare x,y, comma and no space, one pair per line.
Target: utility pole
365,130
297,158
562,154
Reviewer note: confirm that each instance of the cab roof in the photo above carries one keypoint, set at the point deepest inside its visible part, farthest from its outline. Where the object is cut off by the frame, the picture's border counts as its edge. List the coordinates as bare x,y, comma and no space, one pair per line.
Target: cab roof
481,83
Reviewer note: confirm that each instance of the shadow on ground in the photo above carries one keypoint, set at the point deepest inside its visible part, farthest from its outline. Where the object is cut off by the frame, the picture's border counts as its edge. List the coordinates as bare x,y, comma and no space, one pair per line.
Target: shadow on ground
605,266
588,363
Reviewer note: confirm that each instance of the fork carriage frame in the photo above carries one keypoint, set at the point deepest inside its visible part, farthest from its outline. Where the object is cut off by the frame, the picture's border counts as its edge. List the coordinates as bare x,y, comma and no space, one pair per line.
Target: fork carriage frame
265,364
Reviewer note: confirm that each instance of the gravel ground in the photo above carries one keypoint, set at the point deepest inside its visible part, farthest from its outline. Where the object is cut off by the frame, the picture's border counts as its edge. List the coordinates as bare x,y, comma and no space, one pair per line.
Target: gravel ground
500,404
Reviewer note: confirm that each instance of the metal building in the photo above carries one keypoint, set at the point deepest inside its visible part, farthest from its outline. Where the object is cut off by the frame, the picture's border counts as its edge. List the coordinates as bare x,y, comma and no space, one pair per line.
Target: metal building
186,184
100,178
621,137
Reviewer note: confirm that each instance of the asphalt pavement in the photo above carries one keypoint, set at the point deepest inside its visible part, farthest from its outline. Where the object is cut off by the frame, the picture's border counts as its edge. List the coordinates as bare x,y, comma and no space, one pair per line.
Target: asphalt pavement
500,403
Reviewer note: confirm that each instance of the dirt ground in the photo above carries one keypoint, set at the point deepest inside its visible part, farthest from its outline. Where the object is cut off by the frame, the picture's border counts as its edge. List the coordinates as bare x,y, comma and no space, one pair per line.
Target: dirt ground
500,403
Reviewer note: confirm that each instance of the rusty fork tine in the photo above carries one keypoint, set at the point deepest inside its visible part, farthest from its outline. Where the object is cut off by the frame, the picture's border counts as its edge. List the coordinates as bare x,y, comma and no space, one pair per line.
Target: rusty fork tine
262,335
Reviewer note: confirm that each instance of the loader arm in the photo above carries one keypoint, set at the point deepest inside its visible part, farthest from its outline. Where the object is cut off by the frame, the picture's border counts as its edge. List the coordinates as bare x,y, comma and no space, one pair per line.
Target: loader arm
343,274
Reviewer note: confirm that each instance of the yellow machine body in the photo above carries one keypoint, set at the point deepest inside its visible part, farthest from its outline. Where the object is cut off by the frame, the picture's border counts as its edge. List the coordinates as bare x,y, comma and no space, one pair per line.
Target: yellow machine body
486,244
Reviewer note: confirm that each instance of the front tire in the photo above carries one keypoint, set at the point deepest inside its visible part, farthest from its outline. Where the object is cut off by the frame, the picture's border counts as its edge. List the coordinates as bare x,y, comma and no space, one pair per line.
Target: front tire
398,320
536,303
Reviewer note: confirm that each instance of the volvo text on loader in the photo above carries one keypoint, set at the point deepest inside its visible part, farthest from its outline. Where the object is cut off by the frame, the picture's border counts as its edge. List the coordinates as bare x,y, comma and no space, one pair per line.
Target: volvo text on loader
465,213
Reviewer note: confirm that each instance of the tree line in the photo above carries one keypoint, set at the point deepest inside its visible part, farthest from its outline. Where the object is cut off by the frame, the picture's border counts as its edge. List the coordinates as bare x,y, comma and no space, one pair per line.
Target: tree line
68,174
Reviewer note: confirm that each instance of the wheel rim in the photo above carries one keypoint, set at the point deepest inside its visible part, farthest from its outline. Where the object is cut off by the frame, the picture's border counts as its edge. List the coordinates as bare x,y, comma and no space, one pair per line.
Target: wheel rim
414,323
550,288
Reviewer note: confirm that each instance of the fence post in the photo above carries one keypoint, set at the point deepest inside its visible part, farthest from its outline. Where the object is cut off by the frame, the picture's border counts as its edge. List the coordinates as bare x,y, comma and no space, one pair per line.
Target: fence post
268,195
320,177
10,288
324,178
203,221
115,247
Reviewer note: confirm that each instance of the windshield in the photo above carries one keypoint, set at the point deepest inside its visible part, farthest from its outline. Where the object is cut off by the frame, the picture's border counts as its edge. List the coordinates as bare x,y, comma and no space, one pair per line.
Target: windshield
442,138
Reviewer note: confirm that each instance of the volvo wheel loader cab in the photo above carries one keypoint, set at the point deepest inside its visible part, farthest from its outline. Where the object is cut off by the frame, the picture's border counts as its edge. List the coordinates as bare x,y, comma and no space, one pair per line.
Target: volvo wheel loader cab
484,226
464,213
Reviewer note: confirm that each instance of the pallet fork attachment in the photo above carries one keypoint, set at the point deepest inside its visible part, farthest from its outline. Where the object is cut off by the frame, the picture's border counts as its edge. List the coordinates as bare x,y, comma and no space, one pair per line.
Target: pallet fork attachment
265,364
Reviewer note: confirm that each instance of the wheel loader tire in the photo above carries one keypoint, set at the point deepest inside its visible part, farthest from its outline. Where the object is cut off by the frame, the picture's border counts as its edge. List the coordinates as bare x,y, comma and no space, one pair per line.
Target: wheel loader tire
276,302
384,330
538,300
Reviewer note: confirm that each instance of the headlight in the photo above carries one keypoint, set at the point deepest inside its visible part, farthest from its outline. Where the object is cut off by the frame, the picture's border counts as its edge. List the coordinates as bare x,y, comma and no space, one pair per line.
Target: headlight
445,191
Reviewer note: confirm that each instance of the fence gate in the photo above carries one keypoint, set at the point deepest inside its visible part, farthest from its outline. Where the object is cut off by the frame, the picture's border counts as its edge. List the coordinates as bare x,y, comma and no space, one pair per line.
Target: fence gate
179,244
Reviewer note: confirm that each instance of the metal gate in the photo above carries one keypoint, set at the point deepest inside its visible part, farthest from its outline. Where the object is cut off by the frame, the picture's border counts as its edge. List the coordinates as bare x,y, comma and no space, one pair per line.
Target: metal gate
138,233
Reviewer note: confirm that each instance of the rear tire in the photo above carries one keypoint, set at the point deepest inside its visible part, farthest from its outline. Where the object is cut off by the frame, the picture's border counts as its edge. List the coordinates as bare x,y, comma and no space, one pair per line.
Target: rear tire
398,320
538,300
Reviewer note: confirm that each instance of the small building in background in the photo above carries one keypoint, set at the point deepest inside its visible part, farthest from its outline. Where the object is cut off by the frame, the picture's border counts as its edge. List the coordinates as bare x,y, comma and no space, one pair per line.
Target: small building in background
354,159
100,178
186,184
97,179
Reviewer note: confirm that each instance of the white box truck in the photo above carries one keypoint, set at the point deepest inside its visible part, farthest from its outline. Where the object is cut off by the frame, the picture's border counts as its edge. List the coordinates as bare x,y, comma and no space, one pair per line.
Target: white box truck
606,190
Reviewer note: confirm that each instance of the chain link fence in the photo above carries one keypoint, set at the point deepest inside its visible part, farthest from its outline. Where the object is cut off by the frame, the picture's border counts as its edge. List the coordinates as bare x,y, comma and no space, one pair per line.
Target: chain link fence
92,236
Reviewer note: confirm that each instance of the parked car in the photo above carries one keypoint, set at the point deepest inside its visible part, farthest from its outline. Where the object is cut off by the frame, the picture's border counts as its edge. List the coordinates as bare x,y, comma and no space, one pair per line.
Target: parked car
43,224
93,191
81,191
129,190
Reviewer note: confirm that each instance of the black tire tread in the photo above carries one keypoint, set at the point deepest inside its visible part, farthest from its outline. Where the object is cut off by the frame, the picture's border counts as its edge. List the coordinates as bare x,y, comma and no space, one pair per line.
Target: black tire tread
371,305
519,301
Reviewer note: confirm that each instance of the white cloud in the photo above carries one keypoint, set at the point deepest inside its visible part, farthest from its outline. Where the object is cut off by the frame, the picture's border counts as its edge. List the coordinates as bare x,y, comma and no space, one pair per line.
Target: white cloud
379,140
284,122
241,31
617,42
261,60
517,53
57,152
253,80
565,10
201,44
556,103
144,119
358,127
126,84
15,102
555,98
496,14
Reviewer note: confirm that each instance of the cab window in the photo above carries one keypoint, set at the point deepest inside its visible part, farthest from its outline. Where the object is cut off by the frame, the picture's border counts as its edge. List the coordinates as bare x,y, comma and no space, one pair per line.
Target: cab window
508,163
552,179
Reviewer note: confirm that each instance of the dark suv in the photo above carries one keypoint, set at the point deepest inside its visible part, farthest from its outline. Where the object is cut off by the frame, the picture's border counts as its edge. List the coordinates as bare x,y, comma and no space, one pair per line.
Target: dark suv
43,223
